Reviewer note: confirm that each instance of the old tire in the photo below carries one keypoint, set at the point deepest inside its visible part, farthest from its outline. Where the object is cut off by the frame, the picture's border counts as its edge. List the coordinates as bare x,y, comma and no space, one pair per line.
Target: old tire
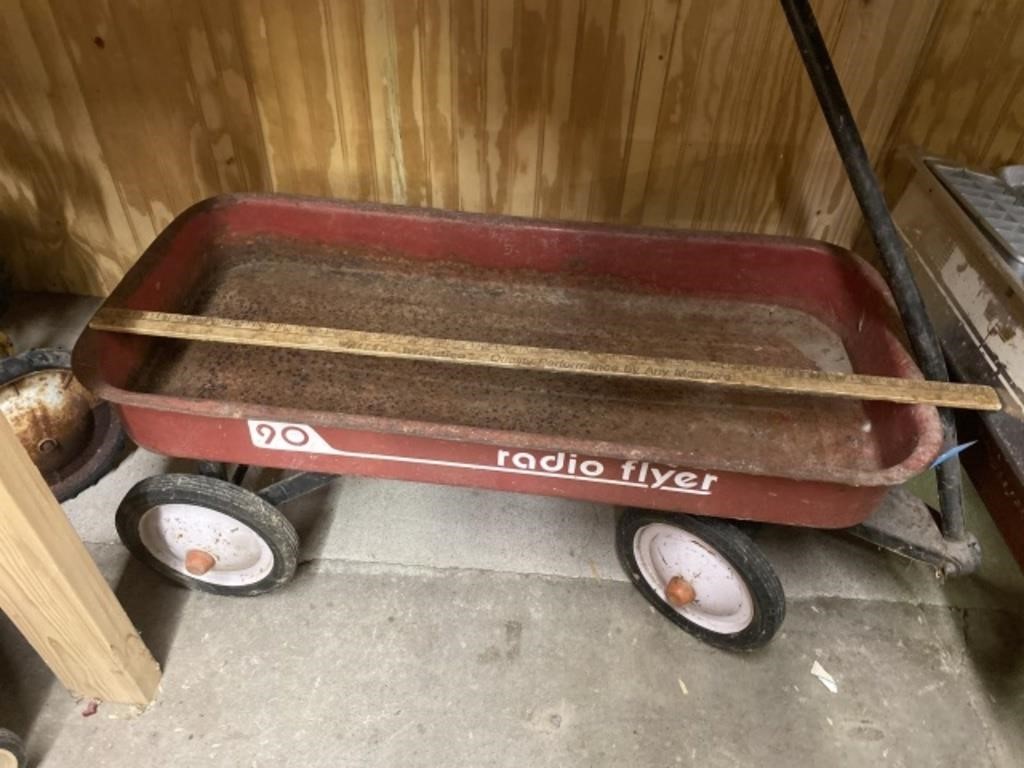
726,592
247,545
86,432
12,751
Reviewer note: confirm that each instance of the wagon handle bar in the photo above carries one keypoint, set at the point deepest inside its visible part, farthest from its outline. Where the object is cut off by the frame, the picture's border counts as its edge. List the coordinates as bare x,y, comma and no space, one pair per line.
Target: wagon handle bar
887,239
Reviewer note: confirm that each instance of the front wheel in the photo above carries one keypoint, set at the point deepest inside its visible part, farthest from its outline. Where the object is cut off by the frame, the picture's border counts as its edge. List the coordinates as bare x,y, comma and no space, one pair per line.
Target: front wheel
704,575
208,534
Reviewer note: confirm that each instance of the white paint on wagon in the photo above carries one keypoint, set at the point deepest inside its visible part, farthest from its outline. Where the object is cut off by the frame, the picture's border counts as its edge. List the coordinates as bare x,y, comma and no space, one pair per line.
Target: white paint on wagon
300,438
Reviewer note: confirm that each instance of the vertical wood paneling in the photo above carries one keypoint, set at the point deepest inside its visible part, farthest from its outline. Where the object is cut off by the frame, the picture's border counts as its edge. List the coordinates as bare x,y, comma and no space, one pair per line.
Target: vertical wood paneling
155,66
528,64
656,53
207,89
438,102
382,86
967,98
499,105
818,199
404,25
356,177
469,45
561,27
586,100
251,28
118,114
627,32
289,72
58,195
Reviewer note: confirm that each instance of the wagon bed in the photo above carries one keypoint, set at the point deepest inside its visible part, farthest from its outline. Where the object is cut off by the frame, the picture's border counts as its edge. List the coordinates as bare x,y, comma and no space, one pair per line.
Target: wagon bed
692,425
734,299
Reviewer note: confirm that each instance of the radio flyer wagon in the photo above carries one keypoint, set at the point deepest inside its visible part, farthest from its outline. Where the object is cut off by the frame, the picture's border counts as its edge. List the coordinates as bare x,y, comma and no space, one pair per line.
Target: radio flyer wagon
678,456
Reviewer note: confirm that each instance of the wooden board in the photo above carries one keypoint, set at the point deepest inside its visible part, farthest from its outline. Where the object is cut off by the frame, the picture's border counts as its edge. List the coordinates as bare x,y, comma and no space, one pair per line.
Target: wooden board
54,593
116,116
750,377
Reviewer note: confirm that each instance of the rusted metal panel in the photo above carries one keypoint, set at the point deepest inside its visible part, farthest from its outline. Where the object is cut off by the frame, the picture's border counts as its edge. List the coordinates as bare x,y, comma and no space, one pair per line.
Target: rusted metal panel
650,292
50,413
976,297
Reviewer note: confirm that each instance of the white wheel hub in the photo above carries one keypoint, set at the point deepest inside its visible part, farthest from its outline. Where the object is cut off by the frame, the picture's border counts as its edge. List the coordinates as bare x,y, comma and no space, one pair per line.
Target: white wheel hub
722,602
240,555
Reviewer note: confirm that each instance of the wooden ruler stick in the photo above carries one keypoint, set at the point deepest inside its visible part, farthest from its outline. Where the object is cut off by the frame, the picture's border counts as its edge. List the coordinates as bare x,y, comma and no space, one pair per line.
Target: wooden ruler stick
749,377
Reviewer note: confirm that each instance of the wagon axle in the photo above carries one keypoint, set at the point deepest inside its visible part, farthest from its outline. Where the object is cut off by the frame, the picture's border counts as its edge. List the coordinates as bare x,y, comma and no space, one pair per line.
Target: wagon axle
199,561
679,592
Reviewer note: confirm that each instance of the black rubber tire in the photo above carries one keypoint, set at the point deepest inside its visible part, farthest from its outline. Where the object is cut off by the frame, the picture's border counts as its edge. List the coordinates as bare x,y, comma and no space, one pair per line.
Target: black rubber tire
106,443
224,497
100,456
13,746
736,547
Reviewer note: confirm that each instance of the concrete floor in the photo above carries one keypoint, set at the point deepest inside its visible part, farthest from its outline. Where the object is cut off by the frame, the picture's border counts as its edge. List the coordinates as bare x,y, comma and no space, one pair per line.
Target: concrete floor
443,626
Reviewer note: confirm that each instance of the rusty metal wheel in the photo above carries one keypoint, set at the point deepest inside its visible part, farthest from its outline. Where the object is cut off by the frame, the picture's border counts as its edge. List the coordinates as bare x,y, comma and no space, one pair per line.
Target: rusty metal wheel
71,436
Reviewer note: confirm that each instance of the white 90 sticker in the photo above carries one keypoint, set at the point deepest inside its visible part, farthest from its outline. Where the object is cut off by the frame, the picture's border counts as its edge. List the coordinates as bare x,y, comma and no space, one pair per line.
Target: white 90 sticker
288,436
283,436
644,475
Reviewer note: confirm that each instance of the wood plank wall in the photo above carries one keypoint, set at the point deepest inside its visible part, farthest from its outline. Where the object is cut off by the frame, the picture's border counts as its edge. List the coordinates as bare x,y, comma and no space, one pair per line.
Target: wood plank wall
967,98
118,114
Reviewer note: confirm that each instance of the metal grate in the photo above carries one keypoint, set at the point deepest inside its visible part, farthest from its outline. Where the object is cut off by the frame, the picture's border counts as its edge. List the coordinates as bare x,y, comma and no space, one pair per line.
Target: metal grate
995,205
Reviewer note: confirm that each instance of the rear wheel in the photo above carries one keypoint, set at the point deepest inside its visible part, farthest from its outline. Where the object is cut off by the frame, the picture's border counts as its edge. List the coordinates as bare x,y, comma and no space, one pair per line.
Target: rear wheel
704,575
12,751
208,534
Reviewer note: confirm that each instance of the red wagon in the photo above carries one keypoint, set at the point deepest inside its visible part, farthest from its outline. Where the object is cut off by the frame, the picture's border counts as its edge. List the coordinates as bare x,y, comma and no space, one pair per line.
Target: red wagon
677,456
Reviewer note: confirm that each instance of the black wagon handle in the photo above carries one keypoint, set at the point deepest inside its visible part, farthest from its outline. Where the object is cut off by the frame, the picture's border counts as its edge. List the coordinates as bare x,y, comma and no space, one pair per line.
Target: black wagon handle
887,239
